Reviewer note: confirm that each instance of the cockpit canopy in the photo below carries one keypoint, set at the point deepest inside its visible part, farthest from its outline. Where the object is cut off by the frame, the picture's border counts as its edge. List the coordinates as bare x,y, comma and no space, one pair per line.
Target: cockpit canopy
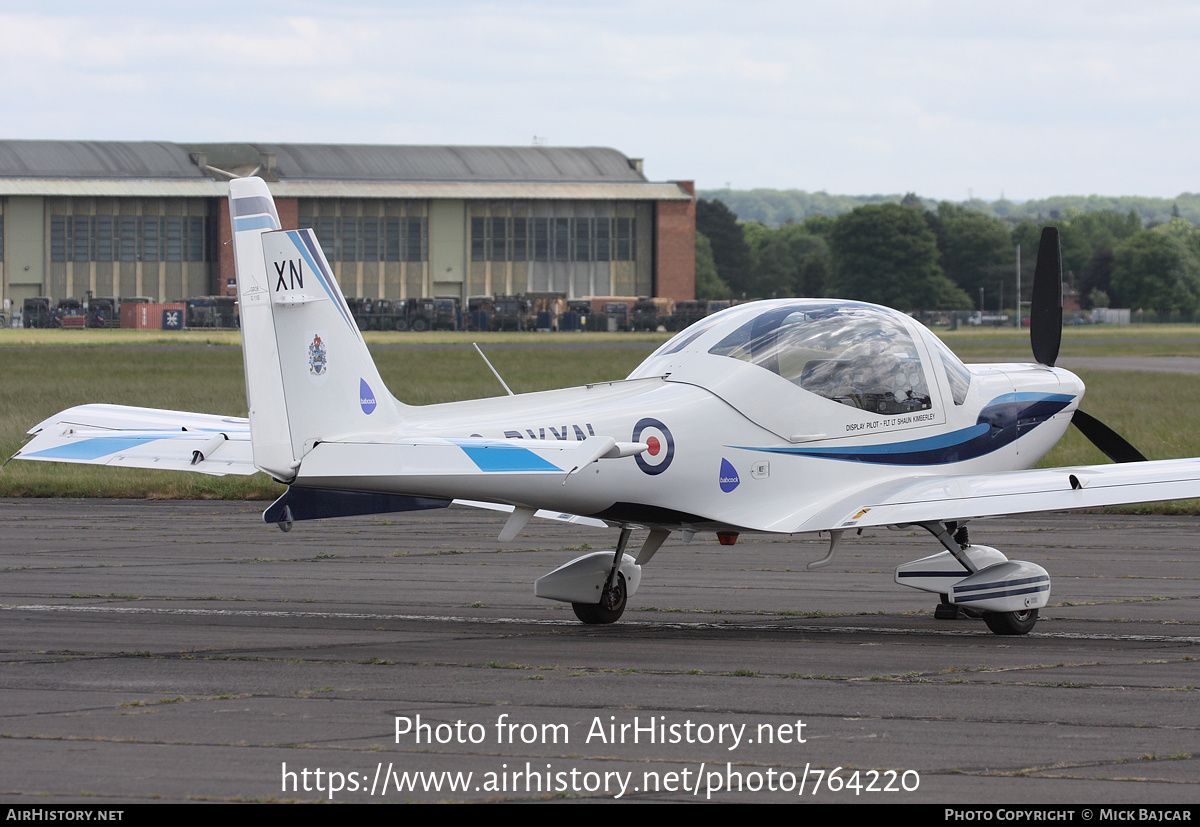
851,354
857,355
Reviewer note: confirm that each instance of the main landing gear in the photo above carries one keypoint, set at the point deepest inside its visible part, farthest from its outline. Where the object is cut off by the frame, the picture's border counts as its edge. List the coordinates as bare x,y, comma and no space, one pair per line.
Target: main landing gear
978,581
609,609
598,585
614,595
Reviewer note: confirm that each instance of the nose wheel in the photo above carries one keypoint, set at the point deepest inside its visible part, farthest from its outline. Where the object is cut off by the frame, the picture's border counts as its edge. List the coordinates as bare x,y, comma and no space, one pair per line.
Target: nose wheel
608,610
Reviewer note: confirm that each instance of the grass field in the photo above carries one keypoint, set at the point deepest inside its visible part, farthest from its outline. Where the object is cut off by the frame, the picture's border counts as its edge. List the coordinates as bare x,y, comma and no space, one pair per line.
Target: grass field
1084,340
42,372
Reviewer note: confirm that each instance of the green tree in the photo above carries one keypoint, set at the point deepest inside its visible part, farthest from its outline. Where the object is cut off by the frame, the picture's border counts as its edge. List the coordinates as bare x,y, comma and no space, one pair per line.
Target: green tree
821,225
1155,269
788,261
708,284
730,251
976,249
1096,279
887,254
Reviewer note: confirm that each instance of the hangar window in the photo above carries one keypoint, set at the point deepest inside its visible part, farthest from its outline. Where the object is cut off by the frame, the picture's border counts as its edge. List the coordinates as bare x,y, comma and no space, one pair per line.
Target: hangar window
603,239
58,238
499,250
346,243
79,246
415,240
490,239
370,240
128,241
541,239
562,239
149,238
128,238
520,246
348,238
583,248
581,239
185,238
625,239
102,226
855,355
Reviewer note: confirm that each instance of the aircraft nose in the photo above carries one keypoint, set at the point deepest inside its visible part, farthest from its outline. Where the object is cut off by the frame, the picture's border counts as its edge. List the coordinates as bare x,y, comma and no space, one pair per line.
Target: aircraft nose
1070,383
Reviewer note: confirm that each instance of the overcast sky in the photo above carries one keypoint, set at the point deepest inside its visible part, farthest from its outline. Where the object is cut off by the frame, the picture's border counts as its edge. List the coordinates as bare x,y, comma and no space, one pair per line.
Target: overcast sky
947,99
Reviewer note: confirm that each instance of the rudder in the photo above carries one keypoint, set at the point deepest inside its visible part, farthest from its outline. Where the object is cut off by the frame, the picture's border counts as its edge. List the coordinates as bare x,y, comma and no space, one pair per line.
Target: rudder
309,375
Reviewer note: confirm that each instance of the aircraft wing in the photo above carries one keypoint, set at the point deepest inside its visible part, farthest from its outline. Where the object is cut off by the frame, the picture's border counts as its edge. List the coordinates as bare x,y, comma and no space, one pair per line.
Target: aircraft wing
143,438
945,498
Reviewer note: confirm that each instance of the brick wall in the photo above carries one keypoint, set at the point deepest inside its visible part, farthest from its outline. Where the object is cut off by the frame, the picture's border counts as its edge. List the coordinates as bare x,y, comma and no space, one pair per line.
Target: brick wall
675,256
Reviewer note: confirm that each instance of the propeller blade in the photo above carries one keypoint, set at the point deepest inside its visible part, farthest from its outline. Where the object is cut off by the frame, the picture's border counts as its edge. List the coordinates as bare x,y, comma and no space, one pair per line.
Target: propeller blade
1045,311
1106,439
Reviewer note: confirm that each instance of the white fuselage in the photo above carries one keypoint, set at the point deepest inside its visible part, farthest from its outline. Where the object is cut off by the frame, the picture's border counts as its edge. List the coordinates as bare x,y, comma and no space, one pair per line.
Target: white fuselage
708,464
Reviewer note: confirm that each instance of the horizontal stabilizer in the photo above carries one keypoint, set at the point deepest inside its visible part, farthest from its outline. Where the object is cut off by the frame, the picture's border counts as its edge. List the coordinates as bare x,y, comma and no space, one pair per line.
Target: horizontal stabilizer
143,438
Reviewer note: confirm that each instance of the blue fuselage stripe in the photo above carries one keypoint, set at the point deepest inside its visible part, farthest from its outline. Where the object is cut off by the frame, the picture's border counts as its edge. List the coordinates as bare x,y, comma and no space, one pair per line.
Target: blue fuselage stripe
1001,422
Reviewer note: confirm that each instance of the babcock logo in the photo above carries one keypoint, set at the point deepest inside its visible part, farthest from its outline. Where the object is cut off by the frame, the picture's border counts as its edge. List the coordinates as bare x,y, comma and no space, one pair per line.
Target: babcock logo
729,477
366,399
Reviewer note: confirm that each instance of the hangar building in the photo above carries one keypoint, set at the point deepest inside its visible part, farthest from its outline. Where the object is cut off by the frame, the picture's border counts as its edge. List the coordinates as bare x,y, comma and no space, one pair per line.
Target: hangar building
151,219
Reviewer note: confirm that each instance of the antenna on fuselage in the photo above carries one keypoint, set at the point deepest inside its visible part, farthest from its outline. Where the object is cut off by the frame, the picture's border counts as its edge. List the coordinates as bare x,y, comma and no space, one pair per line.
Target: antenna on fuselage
493,370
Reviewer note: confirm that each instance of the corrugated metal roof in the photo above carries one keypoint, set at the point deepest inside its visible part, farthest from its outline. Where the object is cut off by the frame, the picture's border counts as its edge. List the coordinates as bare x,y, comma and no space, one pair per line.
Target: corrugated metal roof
113,188
350,162
96,159
205,188
481,190
161,169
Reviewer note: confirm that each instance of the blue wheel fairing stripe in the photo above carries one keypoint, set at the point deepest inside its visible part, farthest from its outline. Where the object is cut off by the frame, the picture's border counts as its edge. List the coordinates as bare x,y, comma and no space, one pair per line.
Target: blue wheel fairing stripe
1041,578
961,574
1000,423
957,598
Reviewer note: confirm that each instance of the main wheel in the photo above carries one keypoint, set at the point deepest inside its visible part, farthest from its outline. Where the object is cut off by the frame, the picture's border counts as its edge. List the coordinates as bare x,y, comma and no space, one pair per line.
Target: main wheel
608,610
1011,623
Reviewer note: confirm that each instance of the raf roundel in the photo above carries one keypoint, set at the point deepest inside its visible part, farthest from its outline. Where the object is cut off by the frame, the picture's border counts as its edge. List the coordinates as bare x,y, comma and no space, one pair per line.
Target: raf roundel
657,457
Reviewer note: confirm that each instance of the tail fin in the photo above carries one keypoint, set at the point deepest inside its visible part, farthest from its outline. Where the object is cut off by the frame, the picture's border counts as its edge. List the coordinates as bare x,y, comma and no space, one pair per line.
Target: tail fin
309,375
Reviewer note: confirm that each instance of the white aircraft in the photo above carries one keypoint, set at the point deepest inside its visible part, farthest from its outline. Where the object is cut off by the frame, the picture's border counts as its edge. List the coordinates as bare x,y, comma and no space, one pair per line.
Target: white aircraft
790,416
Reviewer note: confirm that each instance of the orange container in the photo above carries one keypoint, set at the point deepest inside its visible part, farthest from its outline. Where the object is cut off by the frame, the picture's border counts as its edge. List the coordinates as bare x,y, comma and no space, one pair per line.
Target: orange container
147,315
